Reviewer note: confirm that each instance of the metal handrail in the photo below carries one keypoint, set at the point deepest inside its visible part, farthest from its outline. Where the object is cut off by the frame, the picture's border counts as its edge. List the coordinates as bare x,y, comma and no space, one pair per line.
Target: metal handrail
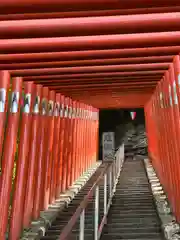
113,169
67,229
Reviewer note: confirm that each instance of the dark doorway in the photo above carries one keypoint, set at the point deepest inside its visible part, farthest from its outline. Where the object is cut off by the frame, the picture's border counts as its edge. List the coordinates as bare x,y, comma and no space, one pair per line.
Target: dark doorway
118,121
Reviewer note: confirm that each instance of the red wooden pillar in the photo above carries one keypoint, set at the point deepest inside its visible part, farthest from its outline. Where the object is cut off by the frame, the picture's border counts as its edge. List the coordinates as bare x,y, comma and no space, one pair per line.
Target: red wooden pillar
70,145
154,139
89,150
159,108
175,106
176,66
93,134
173,146
32,159
78,136
93,137
165,153
148,116
4,87
88,146
76,141
153,148
16,223
81,140
39,184
84,138
61,147
74,132
96,146
148,120
161,163
156,122
90,136
176,123
48,150
171,135
168,156
9,154
56,146
162,126
83,158
65,145
89,131
169,146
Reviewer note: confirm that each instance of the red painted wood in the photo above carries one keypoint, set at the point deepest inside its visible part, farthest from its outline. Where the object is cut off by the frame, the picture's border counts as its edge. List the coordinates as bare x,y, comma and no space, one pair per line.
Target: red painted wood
146,52
90,25
16,222
89,13
56,148
33,156
4,88
39,184
89,42
10,148
22,6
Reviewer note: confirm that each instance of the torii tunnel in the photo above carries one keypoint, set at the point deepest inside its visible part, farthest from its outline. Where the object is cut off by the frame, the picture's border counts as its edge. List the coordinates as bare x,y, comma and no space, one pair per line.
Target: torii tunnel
61,61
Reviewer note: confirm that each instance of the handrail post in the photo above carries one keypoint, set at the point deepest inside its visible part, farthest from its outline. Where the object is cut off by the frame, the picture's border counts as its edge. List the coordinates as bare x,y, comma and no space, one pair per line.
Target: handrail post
80,212
119,162
116,165
105,194
96,213
110,181
81,228
114,174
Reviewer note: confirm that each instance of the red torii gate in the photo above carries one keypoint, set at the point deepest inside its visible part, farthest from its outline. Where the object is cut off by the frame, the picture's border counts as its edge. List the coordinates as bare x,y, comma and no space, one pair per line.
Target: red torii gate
100,60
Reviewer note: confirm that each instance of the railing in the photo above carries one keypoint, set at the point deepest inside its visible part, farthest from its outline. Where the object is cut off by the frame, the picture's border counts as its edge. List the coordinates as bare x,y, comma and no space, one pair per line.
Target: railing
109,176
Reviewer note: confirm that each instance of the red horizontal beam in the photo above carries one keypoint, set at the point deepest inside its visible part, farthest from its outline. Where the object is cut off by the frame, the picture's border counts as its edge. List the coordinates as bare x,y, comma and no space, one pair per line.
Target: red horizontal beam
90,13
80,88
102,92
114,93
113,99
115,81
103,89
89,42
91,69
75,63
110,84
116,105
84,80
90,75
110,80
21,6
110,100
90,25
95,90
150,52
